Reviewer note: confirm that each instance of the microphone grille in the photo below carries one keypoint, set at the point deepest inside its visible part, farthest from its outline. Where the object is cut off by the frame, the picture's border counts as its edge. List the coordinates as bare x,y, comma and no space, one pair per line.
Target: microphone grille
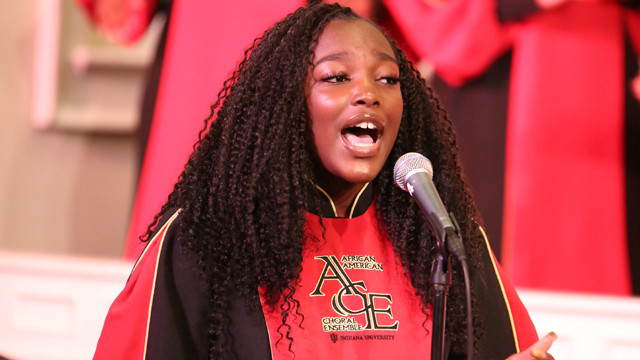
406,164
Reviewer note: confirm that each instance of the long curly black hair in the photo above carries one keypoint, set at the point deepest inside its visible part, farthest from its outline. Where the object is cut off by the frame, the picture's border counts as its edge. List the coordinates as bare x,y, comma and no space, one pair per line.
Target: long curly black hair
245,188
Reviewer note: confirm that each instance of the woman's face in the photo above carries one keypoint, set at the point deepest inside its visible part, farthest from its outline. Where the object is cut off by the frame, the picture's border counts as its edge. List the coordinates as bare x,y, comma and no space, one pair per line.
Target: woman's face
354,100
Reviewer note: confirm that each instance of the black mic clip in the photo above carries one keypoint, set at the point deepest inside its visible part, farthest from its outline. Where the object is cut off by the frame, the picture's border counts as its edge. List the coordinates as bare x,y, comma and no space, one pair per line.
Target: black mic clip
448,239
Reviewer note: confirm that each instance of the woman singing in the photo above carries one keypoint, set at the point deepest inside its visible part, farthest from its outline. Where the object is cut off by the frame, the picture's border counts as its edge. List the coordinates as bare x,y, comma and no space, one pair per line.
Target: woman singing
285,236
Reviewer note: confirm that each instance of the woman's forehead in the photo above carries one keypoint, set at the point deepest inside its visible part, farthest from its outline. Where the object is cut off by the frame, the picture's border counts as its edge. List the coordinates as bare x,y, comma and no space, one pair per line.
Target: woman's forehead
347,37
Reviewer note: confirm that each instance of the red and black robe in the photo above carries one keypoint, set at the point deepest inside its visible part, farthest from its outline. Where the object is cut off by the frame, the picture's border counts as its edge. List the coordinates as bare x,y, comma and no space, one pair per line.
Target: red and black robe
355,298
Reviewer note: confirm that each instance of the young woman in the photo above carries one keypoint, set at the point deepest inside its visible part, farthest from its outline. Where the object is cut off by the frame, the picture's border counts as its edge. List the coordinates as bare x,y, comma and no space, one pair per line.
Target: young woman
285,235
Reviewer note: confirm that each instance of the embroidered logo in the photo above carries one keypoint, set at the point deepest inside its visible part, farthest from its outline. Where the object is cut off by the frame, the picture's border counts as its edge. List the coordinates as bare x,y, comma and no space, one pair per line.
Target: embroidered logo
371,304
333,337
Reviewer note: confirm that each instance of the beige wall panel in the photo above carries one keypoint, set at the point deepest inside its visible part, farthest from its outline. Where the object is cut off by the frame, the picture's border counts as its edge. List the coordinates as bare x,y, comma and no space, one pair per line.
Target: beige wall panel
60,192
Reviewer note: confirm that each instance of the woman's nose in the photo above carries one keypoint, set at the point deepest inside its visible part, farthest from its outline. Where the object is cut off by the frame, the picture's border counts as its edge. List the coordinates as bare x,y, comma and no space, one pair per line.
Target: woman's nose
365,95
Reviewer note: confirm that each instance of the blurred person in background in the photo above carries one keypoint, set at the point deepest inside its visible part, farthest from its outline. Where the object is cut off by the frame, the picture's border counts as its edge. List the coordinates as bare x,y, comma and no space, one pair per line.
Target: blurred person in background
542,97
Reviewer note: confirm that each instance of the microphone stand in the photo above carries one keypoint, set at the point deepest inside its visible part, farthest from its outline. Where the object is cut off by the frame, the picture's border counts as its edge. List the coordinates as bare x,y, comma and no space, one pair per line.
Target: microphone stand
448,242
413,173
441,280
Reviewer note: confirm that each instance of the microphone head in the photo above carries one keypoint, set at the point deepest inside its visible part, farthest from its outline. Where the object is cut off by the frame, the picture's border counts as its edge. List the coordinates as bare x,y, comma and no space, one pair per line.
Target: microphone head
406,164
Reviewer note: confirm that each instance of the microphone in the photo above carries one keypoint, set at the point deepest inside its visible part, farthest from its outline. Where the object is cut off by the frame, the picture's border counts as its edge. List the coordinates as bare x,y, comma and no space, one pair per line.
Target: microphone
413,173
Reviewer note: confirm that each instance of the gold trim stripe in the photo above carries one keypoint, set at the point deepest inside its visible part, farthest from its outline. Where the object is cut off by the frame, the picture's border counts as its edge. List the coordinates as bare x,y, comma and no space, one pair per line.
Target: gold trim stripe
353,207
333,206
153,239
504,294
155,276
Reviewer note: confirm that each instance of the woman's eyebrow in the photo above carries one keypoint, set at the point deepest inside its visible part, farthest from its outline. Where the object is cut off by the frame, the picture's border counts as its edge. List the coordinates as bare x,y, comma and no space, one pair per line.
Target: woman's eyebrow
385,57
344,55
340,56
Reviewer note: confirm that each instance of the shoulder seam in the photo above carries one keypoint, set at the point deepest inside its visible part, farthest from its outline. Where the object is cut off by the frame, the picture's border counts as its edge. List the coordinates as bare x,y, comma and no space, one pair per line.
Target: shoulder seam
160,231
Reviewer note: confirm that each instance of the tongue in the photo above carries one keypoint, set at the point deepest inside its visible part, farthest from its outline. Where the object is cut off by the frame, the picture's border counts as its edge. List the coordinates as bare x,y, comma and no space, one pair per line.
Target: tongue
359,137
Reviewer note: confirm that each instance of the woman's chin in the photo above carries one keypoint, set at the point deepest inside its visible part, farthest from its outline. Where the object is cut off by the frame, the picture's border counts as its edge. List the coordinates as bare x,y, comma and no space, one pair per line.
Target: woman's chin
362,176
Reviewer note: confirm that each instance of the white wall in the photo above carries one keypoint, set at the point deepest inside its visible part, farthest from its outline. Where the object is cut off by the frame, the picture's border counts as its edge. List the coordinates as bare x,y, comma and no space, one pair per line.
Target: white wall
52,307
588,326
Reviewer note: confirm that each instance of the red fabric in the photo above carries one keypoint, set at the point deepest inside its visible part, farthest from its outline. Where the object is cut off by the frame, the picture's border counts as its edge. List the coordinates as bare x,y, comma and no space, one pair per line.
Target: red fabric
462,38
125,332
564,222
375,273
391,28
123,22
206,39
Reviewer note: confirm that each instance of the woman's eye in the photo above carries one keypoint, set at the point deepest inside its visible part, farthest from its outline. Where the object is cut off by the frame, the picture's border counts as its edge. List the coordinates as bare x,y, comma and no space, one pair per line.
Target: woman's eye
390,80
335,78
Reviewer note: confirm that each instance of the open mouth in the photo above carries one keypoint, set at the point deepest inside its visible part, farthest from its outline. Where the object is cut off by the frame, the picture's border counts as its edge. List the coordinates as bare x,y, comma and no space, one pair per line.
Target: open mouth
362,134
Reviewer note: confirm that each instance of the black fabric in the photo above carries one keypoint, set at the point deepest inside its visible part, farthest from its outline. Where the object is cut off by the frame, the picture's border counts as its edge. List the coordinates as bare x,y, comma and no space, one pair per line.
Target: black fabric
479,113
493,311
177,321
250,338
514,10
632,167
359,204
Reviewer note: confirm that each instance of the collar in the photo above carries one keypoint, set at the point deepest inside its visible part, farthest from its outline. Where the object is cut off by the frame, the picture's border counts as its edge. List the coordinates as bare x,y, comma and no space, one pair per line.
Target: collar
361,202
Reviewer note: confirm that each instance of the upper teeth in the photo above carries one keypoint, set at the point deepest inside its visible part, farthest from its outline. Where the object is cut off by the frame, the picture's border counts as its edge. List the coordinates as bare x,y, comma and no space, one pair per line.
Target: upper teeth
365,125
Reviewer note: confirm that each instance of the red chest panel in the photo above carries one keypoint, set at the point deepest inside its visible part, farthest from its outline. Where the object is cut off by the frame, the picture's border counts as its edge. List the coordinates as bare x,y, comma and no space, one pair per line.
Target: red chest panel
356,301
